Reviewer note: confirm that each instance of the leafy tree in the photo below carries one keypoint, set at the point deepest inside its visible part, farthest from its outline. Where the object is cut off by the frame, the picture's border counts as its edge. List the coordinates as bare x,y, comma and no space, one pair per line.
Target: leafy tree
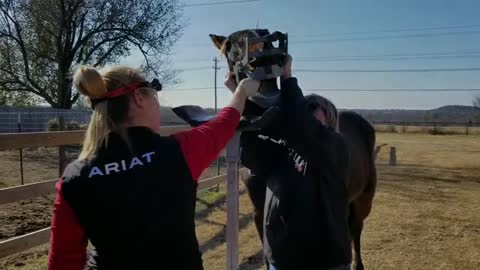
17,99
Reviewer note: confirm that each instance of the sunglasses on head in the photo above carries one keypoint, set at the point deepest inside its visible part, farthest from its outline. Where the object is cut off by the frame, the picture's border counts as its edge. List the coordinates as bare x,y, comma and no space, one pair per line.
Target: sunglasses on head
154,84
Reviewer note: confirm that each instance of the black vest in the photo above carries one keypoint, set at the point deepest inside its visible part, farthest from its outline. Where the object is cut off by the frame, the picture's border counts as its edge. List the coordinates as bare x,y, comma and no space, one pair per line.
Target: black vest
136,203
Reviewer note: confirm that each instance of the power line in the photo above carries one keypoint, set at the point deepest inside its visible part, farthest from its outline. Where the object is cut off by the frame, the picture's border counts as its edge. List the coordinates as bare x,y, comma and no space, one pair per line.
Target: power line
220,3
385,37
193,69
386,70
354,90
455,53
310,41
189,89
393,90
379,57
396,30
412,70
197,68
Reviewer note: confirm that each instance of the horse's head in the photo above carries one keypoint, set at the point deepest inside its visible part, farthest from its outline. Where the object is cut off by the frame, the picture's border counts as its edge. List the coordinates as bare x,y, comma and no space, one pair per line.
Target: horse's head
233,46
251,53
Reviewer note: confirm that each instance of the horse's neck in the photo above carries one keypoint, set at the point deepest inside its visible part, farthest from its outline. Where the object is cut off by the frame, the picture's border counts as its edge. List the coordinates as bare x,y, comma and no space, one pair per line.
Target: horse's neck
269,85
268,94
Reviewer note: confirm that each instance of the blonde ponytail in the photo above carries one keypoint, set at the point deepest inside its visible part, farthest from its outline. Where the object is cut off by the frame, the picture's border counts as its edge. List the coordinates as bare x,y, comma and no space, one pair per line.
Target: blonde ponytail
89,82
107,115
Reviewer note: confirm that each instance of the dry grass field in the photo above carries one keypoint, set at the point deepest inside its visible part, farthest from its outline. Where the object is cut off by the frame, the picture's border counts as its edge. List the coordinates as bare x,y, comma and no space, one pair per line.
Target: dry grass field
441,130
426,213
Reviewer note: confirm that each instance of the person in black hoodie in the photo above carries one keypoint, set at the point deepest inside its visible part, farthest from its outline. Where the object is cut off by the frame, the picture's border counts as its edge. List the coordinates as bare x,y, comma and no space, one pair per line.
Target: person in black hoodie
301,161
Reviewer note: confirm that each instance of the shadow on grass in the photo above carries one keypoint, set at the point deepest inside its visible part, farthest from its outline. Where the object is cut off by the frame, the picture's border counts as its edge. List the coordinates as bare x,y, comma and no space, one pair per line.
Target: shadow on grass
253,262
220,238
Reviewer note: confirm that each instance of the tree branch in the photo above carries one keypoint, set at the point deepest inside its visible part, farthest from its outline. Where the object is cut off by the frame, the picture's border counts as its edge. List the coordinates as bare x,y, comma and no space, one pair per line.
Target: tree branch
41,40
100,44
21,44
108,53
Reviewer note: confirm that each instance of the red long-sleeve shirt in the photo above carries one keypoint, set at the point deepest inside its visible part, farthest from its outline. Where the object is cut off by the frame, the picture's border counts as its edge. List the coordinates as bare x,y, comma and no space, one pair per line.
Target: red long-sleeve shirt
200,146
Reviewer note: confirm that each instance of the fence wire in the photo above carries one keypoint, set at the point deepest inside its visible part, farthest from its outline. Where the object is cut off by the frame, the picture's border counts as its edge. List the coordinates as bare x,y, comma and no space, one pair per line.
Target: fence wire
38,121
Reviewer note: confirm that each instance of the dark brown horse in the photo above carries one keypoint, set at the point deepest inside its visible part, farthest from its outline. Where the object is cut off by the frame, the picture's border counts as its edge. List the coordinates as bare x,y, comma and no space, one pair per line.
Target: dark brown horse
360,137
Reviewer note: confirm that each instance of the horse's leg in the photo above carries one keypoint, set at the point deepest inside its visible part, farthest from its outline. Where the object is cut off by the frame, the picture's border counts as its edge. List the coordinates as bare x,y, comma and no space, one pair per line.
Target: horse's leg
356,226
360,209
357,246
256,187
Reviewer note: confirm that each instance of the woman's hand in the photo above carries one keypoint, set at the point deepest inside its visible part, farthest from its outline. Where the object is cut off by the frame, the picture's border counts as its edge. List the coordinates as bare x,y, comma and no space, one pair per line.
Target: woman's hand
287,68
230,81
246,88
249,87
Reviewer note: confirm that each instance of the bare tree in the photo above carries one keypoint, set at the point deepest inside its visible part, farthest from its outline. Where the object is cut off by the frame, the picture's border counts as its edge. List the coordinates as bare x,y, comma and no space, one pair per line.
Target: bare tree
41,41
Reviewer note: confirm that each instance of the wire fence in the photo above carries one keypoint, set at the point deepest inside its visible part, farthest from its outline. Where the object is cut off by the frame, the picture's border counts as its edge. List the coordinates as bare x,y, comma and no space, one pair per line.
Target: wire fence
25,120
12,121
434,128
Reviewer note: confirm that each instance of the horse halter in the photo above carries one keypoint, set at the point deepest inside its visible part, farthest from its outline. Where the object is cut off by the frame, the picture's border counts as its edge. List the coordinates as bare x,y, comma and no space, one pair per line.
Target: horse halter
266,63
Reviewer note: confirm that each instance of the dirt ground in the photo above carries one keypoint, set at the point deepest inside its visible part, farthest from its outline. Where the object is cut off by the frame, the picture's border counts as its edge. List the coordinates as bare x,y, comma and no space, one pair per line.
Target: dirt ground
426,213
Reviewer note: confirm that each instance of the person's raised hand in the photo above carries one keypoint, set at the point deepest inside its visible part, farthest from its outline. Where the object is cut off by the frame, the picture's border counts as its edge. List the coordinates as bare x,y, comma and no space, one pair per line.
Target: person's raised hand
249,86
230,81
287,68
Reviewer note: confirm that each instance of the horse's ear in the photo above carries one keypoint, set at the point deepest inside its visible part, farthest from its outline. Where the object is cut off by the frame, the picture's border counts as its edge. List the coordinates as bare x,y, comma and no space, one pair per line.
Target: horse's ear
218,41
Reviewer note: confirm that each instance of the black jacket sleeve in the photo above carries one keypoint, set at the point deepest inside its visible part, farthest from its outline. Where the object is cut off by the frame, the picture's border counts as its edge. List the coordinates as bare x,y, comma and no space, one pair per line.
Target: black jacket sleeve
321,146
258,155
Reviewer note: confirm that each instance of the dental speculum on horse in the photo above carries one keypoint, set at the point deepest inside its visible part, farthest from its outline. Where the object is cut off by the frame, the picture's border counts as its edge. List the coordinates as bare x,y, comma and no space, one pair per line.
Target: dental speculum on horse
262,61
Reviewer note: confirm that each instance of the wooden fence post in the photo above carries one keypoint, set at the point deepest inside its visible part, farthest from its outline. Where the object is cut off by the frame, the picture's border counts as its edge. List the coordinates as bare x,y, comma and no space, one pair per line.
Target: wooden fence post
61,148
233,164
393,156
19,125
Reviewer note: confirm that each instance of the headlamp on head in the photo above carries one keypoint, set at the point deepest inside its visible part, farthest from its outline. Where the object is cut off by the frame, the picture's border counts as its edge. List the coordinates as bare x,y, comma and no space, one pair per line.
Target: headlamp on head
154,84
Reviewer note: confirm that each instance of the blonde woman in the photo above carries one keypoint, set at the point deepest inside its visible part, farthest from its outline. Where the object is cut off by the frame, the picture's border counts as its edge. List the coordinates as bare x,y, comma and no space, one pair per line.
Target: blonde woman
131,192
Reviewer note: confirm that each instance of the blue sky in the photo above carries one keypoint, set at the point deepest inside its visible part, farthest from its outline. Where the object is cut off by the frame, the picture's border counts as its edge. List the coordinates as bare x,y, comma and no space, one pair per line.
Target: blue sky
333,30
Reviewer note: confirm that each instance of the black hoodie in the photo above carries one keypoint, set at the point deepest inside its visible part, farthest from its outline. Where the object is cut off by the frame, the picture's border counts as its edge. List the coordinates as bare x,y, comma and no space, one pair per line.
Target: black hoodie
305,167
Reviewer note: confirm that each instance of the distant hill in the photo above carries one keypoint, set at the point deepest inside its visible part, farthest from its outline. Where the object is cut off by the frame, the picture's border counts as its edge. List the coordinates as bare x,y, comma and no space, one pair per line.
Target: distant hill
450,114
457,109
168,117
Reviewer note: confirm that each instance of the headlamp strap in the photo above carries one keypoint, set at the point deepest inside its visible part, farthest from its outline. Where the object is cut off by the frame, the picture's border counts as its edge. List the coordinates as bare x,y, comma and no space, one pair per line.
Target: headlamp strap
122,91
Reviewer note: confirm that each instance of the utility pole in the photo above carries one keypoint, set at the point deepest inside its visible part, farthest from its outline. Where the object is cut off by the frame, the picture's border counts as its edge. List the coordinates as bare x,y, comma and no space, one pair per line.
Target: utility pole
216,68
